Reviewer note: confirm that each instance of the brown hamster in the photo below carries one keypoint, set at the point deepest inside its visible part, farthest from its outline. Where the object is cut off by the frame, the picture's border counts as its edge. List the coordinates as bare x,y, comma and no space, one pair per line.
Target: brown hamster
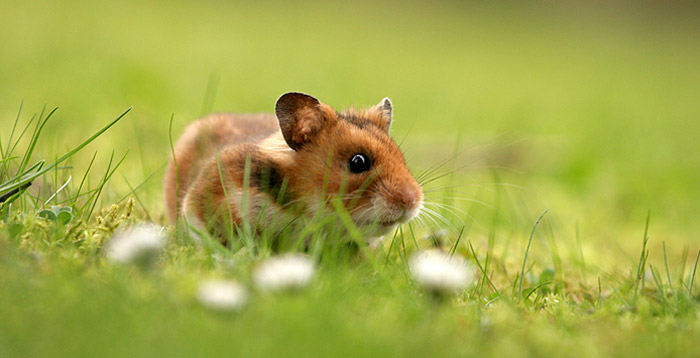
296,161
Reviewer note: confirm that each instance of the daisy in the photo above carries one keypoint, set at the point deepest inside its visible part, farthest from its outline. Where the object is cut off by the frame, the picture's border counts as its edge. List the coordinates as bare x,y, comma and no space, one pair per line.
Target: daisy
440,273
222,295
139,245
286,272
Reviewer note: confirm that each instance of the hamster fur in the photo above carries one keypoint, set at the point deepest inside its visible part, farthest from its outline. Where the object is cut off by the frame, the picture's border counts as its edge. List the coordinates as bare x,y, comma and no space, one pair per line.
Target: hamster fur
296,160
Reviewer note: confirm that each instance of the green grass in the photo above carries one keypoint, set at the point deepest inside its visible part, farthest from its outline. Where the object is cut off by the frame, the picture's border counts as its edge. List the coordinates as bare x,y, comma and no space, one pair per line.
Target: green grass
589,112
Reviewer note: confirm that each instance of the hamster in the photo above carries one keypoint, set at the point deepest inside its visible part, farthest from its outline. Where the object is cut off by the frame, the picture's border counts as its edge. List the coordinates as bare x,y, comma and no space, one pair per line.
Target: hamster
292,164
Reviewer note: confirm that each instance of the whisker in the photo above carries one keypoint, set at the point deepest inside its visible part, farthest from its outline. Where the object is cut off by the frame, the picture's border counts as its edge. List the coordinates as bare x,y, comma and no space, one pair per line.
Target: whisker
435,215
469,200
451,209
430,220
437,223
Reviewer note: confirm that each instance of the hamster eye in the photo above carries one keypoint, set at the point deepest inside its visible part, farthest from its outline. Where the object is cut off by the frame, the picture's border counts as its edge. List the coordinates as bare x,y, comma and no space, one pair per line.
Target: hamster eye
359,163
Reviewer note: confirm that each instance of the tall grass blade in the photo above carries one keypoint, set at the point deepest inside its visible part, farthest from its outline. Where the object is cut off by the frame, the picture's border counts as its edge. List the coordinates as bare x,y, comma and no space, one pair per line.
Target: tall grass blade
105,179
642,257
59,190
668,272
692,277
87,171
484,274
172,155
527,251
35,138
459,237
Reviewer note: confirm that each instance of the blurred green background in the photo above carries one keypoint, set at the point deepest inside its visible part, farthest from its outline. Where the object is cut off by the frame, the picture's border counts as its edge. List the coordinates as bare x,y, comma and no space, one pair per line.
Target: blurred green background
590,110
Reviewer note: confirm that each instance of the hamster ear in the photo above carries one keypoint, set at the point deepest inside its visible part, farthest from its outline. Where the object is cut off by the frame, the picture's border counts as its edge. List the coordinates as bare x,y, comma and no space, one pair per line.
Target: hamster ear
300,118
385,108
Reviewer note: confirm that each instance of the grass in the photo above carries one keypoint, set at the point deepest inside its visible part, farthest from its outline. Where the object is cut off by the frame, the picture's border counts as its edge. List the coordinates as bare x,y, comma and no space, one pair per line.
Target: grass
502,111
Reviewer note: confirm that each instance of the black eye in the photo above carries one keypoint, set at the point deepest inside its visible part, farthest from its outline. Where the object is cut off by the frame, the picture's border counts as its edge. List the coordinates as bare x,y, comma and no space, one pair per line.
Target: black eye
359,163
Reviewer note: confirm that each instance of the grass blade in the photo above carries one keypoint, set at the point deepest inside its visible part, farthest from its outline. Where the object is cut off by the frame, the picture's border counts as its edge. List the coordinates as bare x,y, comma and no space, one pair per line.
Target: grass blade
642,258
483,272
527,251
692,277
29,178
668,272
35,138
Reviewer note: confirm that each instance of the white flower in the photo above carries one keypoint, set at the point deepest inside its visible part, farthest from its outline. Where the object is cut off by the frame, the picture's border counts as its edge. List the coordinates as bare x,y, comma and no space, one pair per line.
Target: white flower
140,245
222,295
286,272
439,272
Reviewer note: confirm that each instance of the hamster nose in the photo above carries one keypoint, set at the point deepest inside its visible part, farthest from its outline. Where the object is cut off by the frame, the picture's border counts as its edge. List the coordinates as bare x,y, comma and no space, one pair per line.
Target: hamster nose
407,197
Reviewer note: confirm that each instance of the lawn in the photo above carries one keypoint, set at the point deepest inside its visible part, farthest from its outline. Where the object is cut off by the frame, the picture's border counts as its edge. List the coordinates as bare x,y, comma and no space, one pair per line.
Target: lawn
586,113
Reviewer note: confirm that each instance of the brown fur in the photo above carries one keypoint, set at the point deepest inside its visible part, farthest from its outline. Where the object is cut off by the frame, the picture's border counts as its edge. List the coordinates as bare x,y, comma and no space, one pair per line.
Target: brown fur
307,154
200,140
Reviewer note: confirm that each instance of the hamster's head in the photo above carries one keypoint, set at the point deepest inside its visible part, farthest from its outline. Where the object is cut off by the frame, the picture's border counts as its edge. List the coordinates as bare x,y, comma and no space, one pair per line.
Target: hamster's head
349,156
